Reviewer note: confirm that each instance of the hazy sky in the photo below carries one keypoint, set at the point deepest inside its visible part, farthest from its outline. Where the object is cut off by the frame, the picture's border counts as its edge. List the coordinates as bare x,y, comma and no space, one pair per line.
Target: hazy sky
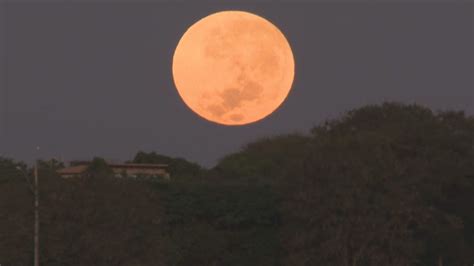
83,79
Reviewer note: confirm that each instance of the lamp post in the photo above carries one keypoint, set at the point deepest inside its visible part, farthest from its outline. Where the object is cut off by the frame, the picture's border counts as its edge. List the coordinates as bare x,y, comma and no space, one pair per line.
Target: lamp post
34,189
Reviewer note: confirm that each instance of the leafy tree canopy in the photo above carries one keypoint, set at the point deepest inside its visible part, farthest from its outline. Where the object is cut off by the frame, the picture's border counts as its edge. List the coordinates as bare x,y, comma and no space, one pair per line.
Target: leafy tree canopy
268,159
99,168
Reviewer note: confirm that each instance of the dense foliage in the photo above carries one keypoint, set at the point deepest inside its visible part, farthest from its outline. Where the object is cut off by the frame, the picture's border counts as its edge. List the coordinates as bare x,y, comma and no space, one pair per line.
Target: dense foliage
269,160
383,185
386,185
220,224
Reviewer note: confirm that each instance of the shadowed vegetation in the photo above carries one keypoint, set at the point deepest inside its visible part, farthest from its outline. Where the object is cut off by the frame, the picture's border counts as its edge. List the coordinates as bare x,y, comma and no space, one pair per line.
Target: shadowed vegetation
387,184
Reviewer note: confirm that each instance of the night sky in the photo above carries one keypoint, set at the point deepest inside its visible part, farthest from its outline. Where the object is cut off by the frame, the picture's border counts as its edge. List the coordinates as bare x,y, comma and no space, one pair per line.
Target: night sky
94,79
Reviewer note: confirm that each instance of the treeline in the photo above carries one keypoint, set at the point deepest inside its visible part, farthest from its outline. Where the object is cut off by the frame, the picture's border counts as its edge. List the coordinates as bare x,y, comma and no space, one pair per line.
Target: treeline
388,184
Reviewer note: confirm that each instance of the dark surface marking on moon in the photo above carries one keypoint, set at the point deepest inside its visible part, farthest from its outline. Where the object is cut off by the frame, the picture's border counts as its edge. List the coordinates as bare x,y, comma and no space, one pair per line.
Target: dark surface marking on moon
231,98
236,117
216,110
234,97
251,90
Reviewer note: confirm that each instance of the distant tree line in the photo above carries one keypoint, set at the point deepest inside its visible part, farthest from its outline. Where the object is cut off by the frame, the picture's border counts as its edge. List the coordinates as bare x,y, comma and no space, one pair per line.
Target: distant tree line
388,184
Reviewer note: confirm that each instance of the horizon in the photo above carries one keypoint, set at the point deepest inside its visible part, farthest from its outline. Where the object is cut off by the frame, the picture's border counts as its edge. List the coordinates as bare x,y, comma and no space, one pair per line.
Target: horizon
307,133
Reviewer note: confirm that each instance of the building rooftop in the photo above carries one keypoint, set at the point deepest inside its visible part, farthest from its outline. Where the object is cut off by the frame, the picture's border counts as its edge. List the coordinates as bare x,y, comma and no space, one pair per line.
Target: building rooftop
138,165
82,167
72,170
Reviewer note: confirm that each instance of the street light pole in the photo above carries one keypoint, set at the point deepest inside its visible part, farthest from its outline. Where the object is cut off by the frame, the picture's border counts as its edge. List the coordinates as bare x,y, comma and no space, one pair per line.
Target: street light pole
36,194
34,188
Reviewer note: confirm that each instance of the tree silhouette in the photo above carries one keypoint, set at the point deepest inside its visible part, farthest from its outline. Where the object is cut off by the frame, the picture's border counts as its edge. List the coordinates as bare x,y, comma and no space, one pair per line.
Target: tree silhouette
376,188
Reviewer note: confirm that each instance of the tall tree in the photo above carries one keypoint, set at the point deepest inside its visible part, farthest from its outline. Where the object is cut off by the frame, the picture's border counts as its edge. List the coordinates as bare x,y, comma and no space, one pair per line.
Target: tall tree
16,214
375,190
269,159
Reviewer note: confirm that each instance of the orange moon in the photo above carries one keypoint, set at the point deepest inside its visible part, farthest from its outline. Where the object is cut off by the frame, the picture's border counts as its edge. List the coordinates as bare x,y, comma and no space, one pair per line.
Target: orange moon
233,67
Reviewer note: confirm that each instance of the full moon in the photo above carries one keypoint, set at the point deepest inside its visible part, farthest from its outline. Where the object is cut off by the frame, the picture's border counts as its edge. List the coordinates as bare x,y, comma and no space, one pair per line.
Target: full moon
233,67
